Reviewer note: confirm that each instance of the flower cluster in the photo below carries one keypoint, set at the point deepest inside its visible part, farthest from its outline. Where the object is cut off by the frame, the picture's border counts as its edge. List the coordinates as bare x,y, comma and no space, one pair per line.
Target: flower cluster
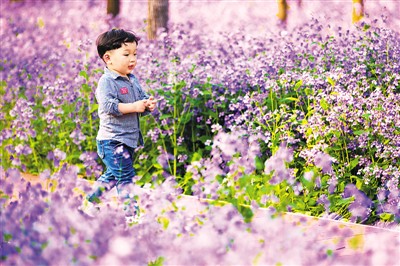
173,231
304,118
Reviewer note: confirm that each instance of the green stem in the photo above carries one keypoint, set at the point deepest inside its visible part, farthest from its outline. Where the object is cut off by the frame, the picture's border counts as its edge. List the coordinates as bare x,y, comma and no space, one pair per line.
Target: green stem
32,143
174,142
90,122
193,137
163,142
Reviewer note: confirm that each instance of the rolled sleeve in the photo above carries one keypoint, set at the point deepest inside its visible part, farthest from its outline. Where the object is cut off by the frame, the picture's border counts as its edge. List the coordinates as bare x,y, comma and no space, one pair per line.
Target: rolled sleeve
107,97
111,107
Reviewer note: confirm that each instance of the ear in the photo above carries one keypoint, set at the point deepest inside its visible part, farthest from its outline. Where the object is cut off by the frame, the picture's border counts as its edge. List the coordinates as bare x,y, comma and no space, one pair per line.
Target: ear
107,58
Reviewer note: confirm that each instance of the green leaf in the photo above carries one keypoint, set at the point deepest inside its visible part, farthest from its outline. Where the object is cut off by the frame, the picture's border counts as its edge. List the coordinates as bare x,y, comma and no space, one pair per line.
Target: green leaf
44,245
93,108
353,163
84,74
308,91
196,157
164,221
299,205
289,99
331,81
366,116
7,237
366,27
157,166
298,84
324,104
246,212
186,118
343,201
3,84
359,183
259,163
387,217
158,262
359,132
40,22
86,88
178,86
165,116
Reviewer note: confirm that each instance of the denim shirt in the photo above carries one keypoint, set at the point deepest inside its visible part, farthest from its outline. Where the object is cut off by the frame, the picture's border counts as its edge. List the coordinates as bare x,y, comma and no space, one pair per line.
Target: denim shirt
113,89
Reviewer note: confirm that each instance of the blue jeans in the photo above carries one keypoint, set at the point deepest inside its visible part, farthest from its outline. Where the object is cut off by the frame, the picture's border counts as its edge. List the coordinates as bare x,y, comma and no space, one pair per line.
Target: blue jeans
118,159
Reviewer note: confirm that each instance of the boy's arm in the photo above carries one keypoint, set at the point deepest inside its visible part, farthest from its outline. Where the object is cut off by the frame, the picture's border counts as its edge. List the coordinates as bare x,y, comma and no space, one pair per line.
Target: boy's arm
107,97
136,107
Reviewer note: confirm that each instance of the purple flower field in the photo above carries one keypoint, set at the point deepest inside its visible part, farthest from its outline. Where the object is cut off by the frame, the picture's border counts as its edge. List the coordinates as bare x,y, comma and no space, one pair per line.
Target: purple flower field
302,118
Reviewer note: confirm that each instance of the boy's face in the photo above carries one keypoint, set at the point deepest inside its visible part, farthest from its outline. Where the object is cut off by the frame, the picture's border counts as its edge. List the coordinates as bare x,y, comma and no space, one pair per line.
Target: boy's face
122,60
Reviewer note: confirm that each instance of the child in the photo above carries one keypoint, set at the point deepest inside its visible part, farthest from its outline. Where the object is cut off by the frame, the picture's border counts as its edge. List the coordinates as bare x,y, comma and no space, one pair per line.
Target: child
121,103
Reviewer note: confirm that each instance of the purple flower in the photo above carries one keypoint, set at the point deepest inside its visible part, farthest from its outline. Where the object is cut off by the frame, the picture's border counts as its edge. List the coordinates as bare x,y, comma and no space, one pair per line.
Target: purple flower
164,158
323,199
360,208
57,156
92,168
180,140
77,136
276,164
333,181
46,174
309,175
13,174
23,149
154,134
182,158
323,161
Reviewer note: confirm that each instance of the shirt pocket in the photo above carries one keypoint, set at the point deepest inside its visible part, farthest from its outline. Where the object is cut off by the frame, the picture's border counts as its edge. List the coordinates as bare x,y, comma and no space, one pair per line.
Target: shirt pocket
126,95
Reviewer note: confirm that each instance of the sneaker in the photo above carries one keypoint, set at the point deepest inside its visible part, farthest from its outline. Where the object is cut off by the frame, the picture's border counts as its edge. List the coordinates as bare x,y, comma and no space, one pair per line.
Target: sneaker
90,209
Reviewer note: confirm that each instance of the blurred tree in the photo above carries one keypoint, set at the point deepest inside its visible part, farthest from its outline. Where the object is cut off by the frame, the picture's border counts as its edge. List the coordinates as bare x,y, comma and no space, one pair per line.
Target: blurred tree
157,17
282,11
113,7
358,10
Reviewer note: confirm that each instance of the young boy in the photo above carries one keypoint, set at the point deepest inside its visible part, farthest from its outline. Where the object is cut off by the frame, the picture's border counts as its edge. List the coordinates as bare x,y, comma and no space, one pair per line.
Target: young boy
121,102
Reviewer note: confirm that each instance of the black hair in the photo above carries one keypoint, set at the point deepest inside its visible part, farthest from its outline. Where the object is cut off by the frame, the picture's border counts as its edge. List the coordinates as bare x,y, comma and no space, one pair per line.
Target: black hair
113,39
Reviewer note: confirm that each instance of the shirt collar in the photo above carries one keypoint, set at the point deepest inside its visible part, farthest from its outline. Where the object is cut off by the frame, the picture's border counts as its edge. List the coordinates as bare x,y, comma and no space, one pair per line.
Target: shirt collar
114,75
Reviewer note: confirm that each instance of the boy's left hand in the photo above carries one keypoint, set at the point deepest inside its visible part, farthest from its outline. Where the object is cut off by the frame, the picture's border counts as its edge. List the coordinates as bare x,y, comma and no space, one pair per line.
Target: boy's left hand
151,104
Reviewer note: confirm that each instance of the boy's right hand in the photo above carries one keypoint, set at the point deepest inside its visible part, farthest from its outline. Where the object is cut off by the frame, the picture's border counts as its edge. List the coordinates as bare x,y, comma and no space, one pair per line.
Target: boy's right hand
140,106
136,107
